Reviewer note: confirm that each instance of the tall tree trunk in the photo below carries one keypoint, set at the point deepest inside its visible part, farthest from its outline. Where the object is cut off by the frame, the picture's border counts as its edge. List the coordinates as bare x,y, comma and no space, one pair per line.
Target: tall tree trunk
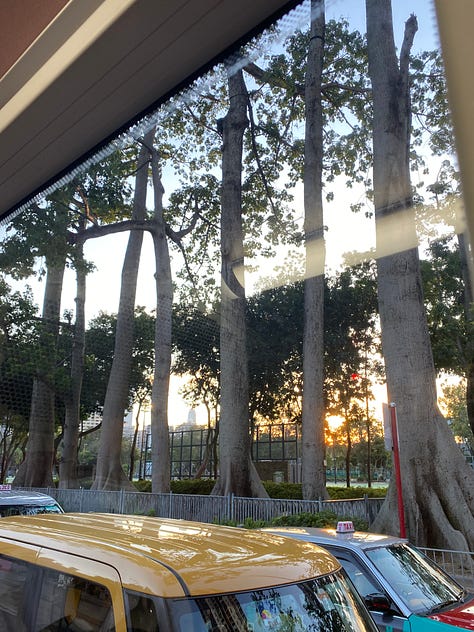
348,449
437,482
109,471
36,469
160,455
313,448
465,254
237,472
133,447
68,462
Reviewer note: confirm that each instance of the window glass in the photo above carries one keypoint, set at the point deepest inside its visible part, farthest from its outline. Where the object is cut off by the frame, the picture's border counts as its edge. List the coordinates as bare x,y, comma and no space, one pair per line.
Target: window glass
34,599
420,584
15,593
327,604
141,613
28,510
363,582
73,604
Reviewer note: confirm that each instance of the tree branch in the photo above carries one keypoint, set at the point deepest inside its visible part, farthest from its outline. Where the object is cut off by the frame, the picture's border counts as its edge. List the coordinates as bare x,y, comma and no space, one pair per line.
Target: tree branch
277,82
177,235
257,156
267,77
109,229
198,120
411,27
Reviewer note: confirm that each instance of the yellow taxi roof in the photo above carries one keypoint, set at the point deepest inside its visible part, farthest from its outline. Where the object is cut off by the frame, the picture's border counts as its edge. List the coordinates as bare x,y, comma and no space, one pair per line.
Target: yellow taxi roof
173,558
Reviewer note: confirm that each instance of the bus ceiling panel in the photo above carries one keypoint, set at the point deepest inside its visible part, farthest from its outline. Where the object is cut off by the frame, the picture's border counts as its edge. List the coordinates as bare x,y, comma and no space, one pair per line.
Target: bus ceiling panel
99,67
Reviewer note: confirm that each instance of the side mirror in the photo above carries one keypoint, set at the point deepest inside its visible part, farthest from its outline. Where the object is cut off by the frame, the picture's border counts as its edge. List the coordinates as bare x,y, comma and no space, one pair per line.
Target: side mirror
378,601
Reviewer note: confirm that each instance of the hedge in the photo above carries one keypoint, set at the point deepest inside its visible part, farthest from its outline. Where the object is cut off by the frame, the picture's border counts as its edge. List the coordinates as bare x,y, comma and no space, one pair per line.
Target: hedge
293,491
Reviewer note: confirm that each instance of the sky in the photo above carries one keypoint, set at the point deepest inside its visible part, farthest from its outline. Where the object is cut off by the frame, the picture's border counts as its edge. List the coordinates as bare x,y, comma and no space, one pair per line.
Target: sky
346,231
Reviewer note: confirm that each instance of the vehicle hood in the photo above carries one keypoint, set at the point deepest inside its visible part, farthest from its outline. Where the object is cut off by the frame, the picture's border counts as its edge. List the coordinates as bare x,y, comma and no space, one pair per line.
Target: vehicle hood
461,616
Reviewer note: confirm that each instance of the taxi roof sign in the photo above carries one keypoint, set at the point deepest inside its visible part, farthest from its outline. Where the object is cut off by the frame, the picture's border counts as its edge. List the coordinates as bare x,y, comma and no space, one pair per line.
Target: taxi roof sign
345,526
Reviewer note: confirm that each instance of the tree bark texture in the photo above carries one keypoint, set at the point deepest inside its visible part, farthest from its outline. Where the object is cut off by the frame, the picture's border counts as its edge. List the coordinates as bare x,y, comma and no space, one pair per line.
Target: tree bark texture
436,480
465,253
237,472
72,419
313,448
109,472
36,469
161,377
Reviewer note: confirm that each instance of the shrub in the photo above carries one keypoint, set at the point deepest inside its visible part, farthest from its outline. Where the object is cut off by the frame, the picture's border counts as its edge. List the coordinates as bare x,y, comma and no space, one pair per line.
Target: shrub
322,519
283,490
143,486
200,486
338,493
306,519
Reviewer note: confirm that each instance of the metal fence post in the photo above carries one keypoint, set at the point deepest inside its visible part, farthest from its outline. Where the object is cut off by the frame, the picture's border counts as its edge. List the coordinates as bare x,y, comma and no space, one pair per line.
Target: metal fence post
230,506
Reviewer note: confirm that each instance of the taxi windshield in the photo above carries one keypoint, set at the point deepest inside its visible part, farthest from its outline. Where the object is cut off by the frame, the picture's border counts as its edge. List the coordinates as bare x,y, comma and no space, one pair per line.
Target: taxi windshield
326,604
417,580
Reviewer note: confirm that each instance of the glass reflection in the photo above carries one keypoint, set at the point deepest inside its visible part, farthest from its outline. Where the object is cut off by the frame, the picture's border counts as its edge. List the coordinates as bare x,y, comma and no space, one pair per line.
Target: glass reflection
420,584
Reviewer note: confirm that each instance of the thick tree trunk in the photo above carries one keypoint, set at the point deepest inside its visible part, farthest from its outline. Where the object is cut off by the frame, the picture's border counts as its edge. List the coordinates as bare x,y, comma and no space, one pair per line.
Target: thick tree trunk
237,472
437,482
313,448
470,394
68,462
109,472
160,481
36,469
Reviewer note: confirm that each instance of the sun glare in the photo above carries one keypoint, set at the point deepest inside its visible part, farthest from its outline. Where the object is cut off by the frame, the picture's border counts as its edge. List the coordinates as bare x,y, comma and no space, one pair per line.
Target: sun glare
334,422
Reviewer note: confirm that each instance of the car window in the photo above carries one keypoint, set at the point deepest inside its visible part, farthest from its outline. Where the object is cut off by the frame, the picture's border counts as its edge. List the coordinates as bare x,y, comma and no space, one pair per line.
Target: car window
141,613
74,604
28,510
16,589
33,599
419,583
363,582
326,604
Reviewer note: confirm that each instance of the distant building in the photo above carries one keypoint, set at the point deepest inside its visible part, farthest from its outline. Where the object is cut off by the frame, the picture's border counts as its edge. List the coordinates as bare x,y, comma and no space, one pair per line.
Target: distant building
92,421
95,419
128,424
191,423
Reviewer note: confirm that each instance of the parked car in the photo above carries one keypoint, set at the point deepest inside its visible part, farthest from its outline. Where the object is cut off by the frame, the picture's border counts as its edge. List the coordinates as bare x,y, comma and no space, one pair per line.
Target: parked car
17,502
111,572
402,588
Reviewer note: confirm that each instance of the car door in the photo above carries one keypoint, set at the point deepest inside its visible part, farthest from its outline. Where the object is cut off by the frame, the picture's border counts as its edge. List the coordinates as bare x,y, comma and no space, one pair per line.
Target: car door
366,584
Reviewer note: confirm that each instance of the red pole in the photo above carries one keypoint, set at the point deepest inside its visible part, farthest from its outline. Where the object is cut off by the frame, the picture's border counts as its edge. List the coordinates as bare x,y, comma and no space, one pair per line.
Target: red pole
396,464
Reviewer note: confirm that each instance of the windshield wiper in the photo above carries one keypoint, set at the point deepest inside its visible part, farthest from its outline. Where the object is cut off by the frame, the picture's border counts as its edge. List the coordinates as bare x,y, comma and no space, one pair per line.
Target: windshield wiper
448,602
